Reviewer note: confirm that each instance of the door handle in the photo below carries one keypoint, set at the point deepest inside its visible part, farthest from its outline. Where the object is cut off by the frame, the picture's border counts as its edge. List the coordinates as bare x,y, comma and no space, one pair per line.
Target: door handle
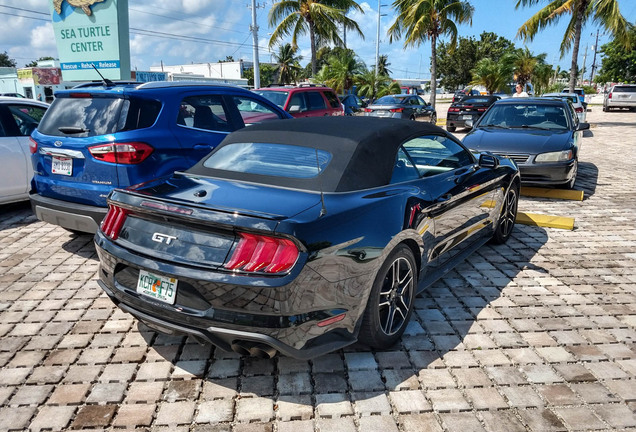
202,147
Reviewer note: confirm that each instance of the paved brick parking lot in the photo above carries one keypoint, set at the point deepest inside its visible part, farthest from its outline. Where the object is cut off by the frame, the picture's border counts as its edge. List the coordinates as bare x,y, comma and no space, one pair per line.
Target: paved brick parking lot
538,334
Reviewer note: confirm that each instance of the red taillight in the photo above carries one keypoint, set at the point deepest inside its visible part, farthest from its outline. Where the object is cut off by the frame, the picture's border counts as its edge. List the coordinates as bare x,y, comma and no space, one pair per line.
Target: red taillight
481,109
609,96
452,109
114,220
81,95
578,109
331,320
262,253
368,110
125,153
33,146
397,110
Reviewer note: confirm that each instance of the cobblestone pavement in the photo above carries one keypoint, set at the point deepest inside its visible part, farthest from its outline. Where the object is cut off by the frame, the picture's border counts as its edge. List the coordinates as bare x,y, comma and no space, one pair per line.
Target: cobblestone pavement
538,334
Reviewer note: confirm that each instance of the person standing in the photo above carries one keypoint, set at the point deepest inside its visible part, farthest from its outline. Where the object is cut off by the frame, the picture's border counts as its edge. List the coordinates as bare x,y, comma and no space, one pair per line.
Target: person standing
519,92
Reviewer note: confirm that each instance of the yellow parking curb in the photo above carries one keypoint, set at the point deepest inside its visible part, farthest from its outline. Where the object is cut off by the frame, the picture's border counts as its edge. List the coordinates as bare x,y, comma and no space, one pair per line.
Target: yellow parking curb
545,220
565,194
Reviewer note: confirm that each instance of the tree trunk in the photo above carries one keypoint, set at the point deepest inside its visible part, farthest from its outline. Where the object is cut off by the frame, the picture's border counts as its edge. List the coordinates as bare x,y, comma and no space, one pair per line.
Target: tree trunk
574,68
433,69
312,41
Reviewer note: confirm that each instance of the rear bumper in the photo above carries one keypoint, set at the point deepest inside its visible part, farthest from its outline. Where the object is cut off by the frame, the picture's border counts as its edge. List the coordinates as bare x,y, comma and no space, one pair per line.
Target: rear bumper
69,215
457,121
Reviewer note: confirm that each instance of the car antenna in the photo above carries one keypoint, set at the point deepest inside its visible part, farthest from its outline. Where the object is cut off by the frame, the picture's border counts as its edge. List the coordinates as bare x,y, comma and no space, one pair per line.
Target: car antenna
323,209
106,80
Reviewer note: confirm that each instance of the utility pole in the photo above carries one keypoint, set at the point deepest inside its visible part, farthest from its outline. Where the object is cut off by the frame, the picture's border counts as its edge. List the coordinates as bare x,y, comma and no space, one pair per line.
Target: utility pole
254,30
377,41
583,70
594,60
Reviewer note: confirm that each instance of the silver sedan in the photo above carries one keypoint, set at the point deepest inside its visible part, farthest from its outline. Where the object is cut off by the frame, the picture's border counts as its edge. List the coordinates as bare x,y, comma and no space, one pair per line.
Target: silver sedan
403,106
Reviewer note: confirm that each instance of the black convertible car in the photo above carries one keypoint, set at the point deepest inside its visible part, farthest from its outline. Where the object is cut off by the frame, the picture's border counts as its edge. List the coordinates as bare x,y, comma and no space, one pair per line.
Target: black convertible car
303,236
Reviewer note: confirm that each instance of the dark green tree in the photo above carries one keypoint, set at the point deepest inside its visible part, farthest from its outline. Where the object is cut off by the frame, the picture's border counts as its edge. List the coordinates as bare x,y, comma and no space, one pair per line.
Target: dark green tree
288,64
268,74
619,64
383,65
6,61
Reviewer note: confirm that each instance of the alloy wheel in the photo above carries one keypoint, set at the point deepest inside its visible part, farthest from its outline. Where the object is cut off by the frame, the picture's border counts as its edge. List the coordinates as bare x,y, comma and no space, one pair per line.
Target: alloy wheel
508,213
396,296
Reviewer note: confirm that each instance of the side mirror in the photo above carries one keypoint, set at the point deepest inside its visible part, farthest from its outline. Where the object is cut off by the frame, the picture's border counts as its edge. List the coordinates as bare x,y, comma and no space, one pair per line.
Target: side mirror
487,160
294,109
583,126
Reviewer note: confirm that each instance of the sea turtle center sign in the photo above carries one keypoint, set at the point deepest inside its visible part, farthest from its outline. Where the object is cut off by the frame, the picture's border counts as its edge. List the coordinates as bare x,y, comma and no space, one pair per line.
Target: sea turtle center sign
92,32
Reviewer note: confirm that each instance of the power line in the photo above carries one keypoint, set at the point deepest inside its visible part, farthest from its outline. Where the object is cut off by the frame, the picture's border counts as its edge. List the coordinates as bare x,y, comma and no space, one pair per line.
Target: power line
186,21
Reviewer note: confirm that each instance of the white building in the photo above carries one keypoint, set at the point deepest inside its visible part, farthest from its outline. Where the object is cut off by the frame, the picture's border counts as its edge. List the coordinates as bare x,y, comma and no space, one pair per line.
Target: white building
223,72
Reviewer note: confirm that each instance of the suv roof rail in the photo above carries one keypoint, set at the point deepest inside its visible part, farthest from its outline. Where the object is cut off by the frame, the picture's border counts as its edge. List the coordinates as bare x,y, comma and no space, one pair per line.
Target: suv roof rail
167,84
309,85
101,84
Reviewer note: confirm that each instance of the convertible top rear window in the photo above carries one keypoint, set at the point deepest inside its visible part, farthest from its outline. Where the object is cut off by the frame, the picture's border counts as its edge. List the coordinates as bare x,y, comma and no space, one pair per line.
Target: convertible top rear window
278,160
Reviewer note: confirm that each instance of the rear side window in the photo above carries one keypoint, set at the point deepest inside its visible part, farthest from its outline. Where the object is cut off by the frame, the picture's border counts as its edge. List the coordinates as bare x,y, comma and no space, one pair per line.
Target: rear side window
278,160
26,117
315,101
436,154
277,97
333,99
84,116
140,113
253,111
204,112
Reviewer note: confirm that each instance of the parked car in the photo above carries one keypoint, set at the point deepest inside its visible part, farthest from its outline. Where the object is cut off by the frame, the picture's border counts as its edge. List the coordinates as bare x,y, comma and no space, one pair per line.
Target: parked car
579,92
302,237
541,135
463,93
466,111
18,118
402,106
352,104
304,100
620,96
94,139
16,95
581,112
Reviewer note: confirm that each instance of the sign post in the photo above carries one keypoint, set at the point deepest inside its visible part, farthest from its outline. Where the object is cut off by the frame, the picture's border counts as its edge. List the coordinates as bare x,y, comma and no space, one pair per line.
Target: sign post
96,33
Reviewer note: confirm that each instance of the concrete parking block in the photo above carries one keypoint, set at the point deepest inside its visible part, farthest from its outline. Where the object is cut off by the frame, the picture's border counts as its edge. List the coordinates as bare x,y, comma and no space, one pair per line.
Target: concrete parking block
94,416
359,361
462,422
182,390
593,393
617,416
367,404
409,402
378,424
132,416
176,413
220,410
144,392
366,380
254,386
580,418
295,384
542,419
224,368
254,409
294,408
344,424
522,397
505,420
296,426
400,379
31,395
448,400
112,392
333,405
486,398
558,394
54,418
420,422
16,417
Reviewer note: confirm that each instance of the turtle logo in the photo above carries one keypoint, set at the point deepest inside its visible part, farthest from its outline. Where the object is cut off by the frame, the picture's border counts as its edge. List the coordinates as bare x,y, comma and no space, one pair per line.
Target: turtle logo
84,4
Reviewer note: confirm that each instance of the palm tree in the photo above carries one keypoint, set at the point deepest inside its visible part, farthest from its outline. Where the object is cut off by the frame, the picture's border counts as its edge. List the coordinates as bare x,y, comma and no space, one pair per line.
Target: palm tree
524,65
383,65
422,20
605,12
374,86
288,64
340,70
541,78
492,75
321,18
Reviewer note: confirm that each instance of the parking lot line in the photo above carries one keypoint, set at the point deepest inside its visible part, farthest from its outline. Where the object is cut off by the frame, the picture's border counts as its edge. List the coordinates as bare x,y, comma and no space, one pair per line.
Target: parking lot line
546,221
565,194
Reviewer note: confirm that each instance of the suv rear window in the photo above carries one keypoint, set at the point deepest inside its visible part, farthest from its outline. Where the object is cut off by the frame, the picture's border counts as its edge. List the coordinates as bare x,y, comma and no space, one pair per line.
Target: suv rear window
333,99
88,116
625,89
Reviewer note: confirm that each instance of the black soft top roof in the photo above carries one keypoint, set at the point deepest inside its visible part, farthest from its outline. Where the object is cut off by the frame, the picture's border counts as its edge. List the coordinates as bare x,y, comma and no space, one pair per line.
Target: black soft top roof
363,149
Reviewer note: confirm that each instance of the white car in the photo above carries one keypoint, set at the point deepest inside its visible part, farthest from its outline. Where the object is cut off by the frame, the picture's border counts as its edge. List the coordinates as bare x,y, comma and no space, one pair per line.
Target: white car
18,118
581,112
620,96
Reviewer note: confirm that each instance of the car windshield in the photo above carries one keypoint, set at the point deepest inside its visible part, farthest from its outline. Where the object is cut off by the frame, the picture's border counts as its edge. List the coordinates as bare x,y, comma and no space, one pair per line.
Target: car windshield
474,100
278,160
277,97
625,89
389,100
534,116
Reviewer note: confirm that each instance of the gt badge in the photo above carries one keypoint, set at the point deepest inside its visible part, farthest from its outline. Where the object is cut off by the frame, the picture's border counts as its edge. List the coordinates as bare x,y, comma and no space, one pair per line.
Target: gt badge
163,238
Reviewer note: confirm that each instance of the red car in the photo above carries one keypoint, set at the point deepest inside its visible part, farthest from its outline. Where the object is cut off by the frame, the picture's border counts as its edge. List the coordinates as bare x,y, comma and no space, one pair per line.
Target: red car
304,100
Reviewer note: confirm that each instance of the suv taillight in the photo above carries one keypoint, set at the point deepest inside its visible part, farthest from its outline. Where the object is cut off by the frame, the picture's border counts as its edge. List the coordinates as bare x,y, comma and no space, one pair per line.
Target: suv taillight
453,109
396,110
130,153
609,96
578,109
33,146
259,253
114,220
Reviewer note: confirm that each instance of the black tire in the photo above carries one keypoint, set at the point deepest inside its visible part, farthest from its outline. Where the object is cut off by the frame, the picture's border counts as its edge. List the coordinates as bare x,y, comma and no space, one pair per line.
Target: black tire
412,118
433,118
605,109
391,300
451,128
508,215
570,184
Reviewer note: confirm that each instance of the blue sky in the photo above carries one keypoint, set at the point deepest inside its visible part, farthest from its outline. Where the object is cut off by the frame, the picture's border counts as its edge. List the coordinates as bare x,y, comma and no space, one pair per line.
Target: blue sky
162,30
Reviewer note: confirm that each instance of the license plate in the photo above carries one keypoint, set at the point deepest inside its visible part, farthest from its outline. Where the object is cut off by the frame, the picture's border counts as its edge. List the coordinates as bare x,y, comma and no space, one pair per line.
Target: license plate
62,166
161,288
467,117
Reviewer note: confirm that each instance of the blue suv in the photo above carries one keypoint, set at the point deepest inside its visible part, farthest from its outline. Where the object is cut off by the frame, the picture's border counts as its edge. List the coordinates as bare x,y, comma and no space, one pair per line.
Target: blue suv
94,139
